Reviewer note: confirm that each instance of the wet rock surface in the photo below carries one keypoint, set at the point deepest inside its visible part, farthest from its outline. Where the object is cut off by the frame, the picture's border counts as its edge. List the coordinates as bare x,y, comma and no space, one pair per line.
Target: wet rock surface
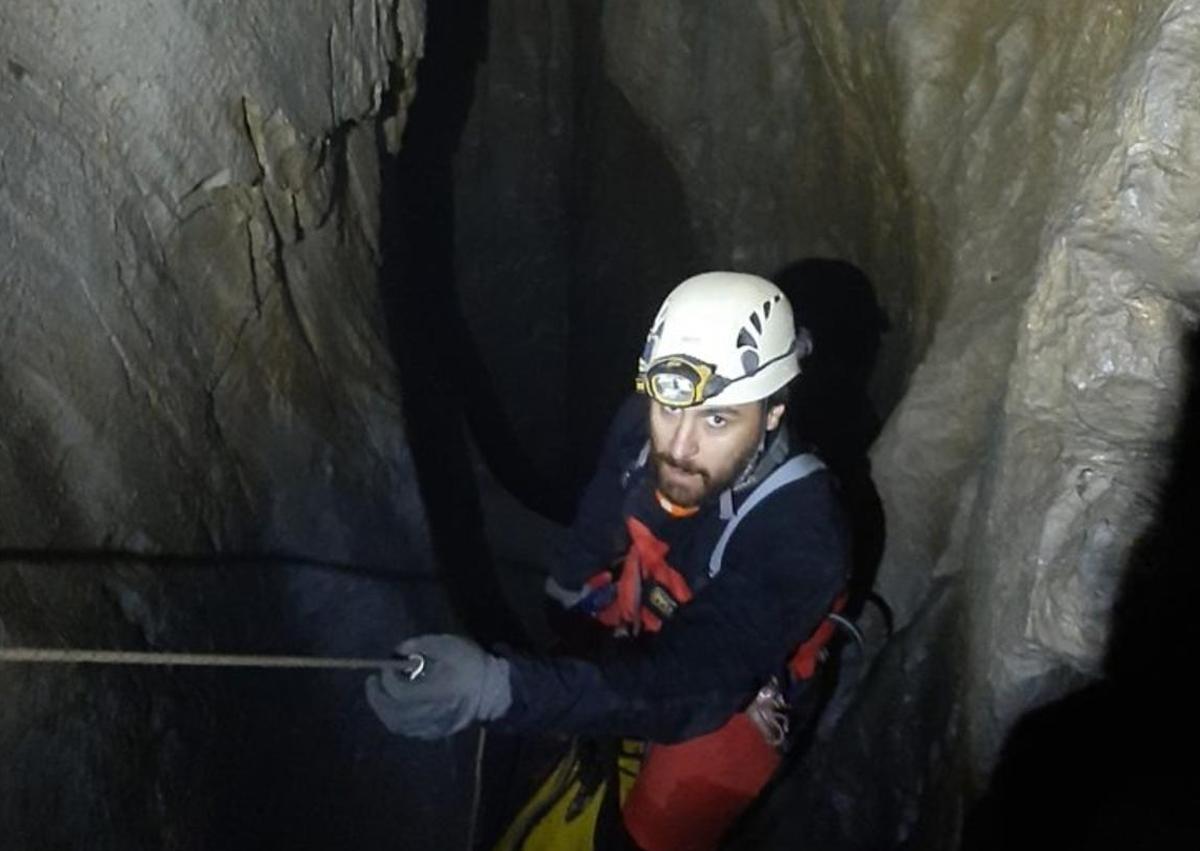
194,362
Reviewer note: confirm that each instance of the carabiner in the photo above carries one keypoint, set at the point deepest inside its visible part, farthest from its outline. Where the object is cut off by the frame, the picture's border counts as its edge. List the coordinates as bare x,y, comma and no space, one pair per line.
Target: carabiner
418,666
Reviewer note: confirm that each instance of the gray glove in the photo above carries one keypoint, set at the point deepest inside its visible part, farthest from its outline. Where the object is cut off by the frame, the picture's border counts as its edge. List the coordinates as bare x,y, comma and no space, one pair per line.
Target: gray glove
461,684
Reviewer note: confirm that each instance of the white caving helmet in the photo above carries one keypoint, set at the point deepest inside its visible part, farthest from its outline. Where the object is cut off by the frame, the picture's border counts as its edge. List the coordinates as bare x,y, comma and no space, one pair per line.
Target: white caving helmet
721,338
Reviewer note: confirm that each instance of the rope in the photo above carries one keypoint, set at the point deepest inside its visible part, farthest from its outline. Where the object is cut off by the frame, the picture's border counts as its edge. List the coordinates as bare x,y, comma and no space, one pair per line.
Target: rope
221,559
410,666
476,789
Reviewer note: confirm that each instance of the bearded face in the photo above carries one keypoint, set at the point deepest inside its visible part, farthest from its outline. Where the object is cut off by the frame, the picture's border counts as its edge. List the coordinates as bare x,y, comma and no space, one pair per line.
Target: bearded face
698,452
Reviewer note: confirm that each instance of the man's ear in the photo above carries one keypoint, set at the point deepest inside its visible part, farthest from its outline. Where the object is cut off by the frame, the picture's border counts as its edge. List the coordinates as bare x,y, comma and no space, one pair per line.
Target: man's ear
774,415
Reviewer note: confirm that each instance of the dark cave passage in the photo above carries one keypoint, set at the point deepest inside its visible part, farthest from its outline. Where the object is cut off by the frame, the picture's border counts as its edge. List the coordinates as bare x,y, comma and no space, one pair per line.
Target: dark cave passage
443,380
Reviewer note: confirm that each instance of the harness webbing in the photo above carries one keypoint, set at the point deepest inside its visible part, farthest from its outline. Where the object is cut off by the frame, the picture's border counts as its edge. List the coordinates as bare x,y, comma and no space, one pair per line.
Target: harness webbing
795,468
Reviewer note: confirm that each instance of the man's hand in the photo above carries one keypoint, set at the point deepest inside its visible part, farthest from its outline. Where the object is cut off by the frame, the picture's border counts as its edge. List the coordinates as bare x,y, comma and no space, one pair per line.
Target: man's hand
461,684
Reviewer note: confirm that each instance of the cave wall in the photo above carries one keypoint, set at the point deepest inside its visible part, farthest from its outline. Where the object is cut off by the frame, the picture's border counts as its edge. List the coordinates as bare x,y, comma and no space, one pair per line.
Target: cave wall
1086,392
179,329
194,362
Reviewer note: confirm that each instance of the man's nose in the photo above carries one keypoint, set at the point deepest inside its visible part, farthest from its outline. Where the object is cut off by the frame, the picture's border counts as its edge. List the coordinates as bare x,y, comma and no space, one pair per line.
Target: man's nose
683,440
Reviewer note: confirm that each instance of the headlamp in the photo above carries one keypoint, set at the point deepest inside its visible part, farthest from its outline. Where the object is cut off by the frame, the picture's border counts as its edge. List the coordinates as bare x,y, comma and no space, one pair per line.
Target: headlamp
679,381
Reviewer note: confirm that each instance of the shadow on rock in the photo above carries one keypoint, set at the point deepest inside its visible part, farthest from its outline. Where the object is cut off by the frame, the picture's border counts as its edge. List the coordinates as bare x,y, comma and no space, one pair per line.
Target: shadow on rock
443,381
830,408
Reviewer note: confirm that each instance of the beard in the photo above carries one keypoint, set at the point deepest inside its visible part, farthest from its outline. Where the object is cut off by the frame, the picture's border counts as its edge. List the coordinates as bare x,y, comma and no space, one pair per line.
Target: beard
688,485
685,484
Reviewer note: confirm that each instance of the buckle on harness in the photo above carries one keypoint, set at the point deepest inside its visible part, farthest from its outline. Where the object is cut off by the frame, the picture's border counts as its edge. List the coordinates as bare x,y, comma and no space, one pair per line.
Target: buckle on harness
768,712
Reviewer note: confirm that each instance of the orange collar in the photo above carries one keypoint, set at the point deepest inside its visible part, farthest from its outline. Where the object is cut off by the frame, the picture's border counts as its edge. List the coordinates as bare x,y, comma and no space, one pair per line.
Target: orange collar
673,509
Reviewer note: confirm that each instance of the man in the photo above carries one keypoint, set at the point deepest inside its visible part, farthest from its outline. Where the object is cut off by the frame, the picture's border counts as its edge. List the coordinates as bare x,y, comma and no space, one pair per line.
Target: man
710,551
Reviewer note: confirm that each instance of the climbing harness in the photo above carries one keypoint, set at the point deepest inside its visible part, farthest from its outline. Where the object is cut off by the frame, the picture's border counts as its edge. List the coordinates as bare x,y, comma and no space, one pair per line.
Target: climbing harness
795,468
666,798
646,588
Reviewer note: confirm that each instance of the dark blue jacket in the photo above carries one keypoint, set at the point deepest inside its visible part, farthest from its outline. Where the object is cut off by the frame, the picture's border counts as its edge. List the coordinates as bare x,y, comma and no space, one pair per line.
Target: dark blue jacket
781,571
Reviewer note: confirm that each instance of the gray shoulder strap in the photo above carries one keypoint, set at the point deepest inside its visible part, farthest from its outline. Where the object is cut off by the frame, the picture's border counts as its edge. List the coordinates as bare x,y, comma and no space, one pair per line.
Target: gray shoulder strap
792,470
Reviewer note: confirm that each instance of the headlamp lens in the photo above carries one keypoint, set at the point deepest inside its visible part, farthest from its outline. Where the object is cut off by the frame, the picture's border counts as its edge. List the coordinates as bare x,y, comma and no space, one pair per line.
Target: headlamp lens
673,388
679,381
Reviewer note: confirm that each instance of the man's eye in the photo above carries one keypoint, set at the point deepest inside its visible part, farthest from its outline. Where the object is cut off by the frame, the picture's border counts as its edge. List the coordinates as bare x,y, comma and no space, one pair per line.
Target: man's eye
716,421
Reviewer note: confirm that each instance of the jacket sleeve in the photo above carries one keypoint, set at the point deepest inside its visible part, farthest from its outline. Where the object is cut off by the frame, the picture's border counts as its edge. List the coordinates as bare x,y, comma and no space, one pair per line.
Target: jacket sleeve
782,571
596,535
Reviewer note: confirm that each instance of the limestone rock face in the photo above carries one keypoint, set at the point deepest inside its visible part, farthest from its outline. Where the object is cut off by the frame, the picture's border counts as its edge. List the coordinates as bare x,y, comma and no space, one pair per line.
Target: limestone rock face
193,360
1073,252
187,224
1021,183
